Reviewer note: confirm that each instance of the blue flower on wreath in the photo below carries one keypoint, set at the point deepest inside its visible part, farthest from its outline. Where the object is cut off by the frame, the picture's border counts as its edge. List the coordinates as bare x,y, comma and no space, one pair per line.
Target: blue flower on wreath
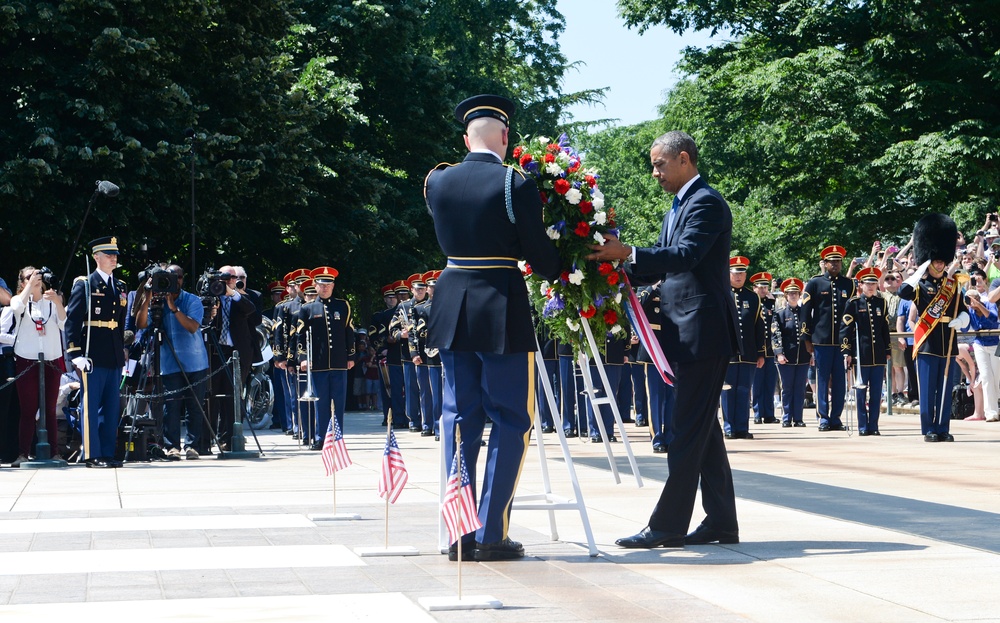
553,306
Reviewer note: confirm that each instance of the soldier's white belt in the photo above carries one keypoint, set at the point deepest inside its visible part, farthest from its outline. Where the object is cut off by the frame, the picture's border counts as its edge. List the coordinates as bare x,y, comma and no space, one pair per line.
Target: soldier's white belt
102,324
480,263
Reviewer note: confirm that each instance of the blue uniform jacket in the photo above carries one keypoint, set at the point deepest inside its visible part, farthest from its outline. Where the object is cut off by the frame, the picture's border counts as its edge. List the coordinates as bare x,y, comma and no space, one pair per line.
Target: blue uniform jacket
106,324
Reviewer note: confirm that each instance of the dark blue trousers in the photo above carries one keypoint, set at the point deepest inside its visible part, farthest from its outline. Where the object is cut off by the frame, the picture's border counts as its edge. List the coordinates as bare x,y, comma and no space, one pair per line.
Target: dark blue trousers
830,384
100,412
639,395
935,417
278,410
331,387
624,393
794,379
287,388
429,380
568,396
478,386
412,393
765,380
736,399
551,369
396,401
661,406
869,400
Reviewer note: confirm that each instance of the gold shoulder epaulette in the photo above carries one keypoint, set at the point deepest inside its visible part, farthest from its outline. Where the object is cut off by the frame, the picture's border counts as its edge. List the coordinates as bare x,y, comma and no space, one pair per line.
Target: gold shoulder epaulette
80,278
439,167
516,170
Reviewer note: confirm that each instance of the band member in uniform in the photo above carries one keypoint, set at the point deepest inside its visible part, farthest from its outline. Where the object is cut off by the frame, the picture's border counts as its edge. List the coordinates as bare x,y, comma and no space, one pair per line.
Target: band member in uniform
427,360
743,366
661,395
95,325
864,341
614,364
378,335
394,360
938,312
765,378
284,347
787,337
327,323
277,290
481,321
826,296
418,291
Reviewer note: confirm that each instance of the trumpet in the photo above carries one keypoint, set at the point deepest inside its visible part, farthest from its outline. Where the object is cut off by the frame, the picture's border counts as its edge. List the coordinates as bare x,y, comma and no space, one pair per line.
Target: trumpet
310,394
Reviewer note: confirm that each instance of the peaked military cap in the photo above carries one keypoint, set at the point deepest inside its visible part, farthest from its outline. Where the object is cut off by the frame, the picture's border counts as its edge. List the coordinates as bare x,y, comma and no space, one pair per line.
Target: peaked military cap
492,106
833,252
761,278
738,264
792,284
107,244
868,275
324,274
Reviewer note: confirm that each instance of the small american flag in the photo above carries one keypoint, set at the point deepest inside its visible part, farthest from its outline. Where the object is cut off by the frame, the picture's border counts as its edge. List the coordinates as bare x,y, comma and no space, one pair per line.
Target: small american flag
335,457
640,324
394,475
459,505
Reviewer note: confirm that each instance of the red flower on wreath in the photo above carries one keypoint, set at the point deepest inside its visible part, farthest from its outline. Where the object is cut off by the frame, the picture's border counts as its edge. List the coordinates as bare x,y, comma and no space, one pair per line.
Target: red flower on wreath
605,268
589,312
564,277
544,197
527,269
591,180
610,317
525,159
586,207
574,166
518,151
561,186
550,158
552,147
582,229
613,279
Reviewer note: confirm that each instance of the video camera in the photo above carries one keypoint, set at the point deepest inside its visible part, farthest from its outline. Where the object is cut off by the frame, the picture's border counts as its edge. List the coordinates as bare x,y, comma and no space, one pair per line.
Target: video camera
162,281
212,283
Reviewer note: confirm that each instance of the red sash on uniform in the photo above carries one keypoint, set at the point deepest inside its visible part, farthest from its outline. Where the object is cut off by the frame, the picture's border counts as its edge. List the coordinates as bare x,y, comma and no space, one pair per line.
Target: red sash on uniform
932,315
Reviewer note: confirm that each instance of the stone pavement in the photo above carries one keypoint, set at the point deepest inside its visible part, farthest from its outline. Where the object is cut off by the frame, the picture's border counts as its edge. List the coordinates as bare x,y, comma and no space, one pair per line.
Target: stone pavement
833,527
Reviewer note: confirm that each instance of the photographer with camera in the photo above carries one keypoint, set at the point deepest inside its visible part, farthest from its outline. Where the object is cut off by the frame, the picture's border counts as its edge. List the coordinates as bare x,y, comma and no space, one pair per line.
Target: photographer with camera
178,314
232,324
39,316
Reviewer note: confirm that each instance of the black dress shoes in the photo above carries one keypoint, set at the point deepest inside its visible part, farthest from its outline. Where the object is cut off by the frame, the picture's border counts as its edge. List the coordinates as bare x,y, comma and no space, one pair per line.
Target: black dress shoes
548,429
799,424
739,435
650,539
703,535
931,438
97,463
503,550
468,551
115,463
773,420
659,448
570,434
945,437
641,422
786,425
758,420
830,427
426,432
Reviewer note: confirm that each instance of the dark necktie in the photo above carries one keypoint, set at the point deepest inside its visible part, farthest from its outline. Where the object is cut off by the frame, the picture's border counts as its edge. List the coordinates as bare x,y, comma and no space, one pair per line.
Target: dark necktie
672,216
226,339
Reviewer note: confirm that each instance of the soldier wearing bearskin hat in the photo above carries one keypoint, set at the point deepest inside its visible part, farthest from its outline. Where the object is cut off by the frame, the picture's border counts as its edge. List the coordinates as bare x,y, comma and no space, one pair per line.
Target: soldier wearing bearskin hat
938,312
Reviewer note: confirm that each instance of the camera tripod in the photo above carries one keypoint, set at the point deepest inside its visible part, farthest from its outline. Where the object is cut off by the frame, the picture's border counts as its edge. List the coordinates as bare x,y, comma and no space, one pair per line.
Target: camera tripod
215,349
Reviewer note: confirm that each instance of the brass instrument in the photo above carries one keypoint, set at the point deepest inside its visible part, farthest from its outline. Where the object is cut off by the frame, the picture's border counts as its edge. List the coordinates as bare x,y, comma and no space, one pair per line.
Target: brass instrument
310,394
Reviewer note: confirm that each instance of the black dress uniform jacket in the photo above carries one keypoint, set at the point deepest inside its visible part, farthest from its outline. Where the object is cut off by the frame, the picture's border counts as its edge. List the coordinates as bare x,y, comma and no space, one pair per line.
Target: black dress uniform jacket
866,318
468,204
767,314
826,298
936,343
751,326
106,324
787,334
418,336
333,340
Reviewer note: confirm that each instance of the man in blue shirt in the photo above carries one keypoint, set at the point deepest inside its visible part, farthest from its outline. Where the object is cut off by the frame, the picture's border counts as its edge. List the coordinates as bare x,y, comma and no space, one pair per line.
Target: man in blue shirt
183,365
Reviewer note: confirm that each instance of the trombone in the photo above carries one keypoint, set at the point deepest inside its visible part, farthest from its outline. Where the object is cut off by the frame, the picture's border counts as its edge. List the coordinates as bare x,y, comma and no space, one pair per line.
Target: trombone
309,395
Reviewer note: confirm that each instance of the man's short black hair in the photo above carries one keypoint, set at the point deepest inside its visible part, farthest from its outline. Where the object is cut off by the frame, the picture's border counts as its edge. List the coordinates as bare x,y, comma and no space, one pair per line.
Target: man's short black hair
675,141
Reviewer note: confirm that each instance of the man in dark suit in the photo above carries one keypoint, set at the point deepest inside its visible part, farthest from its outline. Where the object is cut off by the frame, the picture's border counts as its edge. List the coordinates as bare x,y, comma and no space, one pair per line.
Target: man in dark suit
692,258
232,325
487,216
95,325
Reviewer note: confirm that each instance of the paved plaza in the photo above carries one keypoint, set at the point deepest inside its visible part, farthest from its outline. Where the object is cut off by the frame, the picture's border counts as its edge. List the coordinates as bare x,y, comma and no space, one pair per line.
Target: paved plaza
834,527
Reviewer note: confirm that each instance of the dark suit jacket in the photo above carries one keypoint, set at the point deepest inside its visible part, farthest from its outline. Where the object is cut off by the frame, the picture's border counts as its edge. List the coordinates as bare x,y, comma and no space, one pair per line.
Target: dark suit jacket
486,310
699,316
239,329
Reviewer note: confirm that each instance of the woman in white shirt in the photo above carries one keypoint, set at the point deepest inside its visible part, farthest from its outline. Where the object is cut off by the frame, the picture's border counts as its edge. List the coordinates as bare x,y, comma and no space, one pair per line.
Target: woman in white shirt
40,317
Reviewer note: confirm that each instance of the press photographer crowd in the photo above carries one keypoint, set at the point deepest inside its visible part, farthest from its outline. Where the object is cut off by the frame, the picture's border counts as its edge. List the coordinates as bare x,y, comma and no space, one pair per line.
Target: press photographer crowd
149,372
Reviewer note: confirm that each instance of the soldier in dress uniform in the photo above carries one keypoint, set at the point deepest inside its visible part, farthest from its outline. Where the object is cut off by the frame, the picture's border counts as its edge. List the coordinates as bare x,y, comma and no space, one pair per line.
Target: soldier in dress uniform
394,360
427,361
788,330
743,365
549,368
661,395
826,296
637,371
864,341
487,216
938,311
277,290
765,378
418,293
328,324
378,335
284,347
95,325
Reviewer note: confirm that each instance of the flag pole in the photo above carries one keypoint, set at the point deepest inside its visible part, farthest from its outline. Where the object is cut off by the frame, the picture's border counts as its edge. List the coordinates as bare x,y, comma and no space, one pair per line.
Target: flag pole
461,533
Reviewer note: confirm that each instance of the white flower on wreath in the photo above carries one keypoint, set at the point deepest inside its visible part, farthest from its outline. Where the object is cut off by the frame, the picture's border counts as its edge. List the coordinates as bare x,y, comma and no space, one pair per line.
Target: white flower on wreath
573,195
601,218
552,233
617,328
544,288
572,324
562,158
618,297
553,169
576,277
544,140
599,238
598,202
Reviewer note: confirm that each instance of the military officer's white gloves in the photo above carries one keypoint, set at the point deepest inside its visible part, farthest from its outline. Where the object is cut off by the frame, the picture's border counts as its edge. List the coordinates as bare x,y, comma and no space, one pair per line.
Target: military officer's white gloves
84,365
913,279
960,322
